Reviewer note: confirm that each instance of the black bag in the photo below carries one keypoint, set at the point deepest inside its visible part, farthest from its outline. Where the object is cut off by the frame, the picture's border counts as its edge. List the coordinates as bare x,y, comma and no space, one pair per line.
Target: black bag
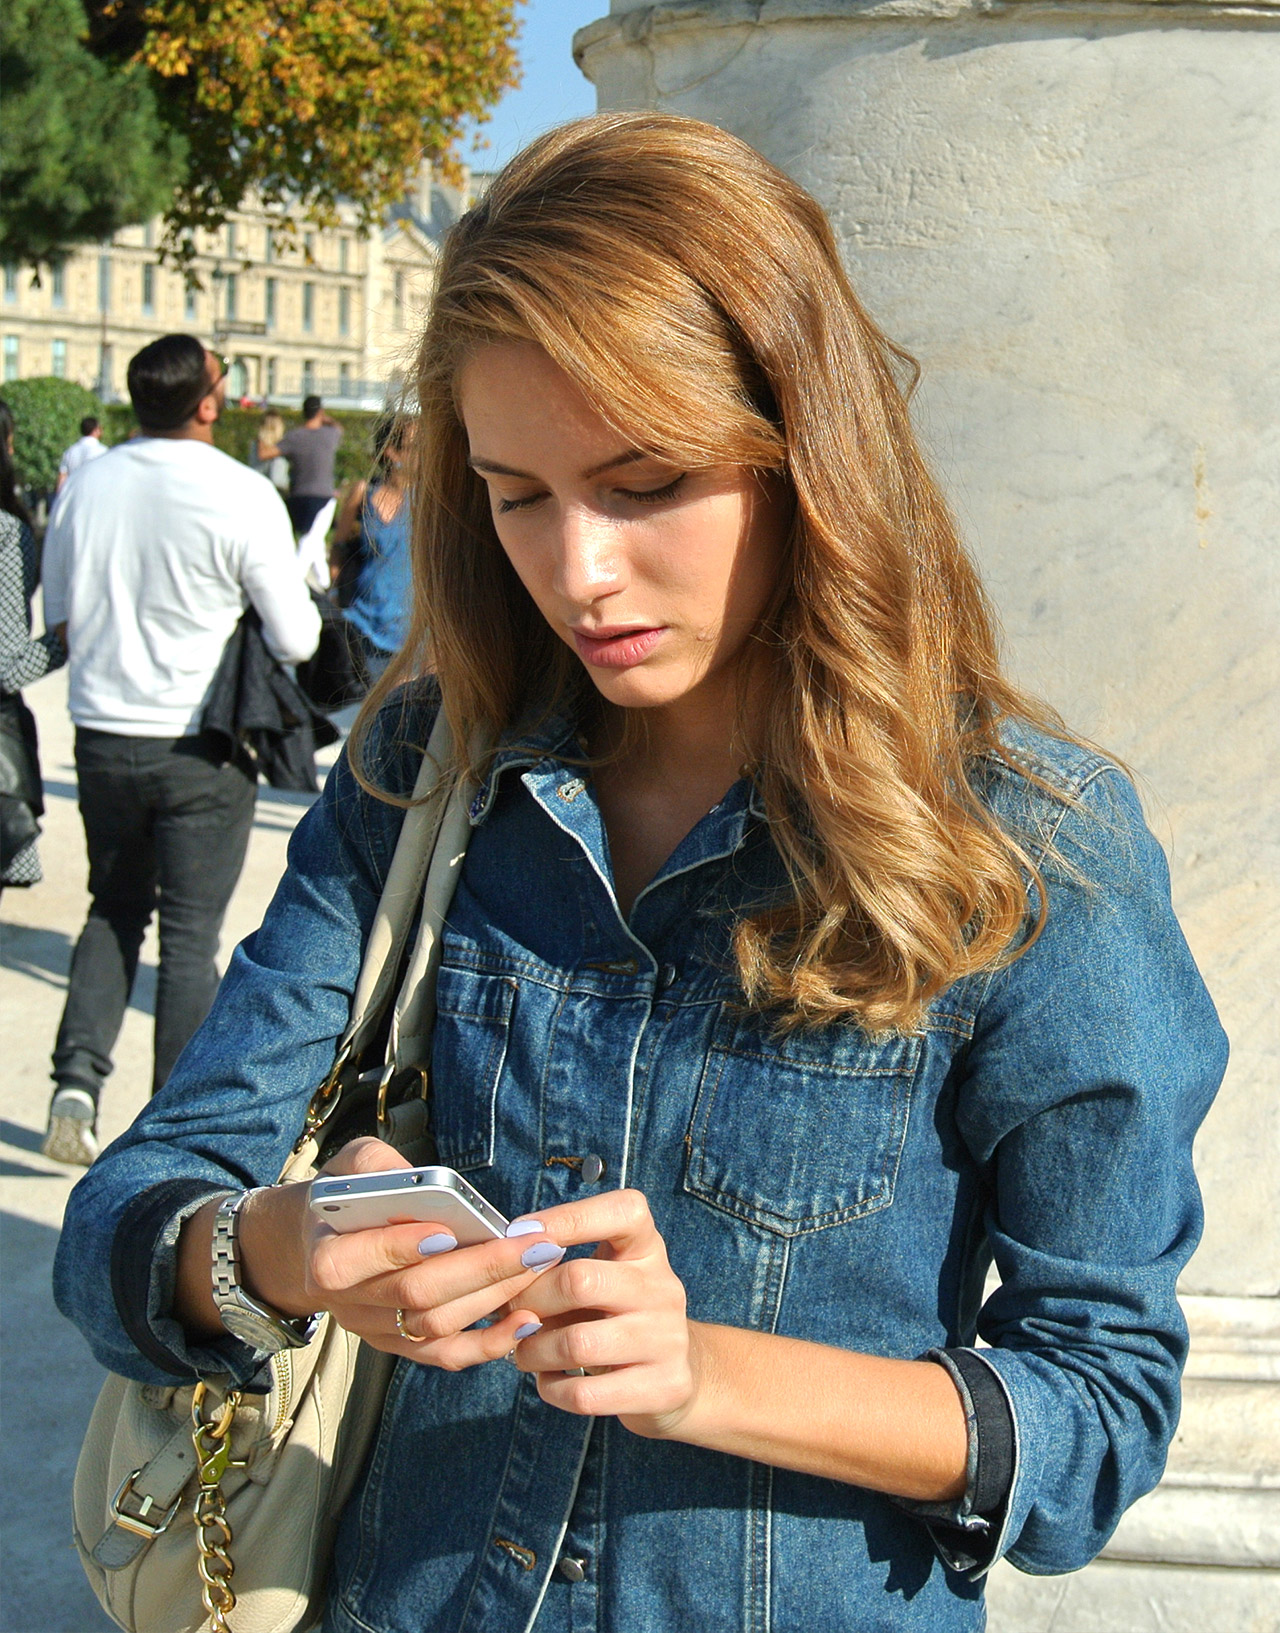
21,789
336,674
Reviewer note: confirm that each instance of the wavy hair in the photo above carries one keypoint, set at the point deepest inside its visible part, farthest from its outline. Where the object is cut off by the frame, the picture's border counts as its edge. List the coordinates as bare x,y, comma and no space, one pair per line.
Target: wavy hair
694,294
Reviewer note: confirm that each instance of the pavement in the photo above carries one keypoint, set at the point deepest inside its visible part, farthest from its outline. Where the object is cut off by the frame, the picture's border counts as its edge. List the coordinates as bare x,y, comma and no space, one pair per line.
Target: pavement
48,1379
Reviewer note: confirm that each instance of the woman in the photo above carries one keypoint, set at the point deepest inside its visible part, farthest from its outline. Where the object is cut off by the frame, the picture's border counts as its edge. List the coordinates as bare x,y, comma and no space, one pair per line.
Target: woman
264,452
22,660
798,967
369,552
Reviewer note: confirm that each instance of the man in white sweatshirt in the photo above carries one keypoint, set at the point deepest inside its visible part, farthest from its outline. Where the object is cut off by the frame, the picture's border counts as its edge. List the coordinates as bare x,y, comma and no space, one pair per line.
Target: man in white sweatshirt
153,554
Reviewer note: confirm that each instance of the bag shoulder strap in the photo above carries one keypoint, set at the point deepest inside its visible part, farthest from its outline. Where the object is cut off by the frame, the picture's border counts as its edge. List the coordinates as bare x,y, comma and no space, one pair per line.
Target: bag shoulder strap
434,793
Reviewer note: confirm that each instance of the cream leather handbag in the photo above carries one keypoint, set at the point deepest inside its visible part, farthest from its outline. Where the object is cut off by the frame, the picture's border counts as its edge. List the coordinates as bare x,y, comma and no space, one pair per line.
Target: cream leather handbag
194,1505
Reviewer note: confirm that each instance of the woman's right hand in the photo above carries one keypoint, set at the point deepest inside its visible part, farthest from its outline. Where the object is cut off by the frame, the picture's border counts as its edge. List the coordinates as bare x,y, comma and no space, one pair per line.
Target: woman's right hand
363,1277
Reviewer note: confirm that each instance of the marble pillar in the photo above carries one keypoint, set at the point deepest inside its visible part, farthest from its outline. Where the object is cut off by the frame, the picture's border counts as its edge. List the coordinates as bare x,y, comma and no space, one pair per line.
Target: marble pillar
1069,210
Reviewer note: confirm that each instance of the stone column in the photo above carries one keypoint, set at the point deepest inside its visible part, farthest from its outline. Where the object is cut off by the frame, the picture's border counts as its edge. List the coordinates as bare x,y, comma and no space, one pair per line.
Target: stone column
1069,210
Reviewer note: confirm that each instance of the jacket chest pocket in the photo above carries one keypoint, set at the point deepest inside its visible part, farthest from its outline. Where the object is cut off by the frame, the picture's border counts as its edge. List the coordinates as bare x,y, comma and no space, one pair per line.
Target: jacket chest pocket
799,1133
469,1049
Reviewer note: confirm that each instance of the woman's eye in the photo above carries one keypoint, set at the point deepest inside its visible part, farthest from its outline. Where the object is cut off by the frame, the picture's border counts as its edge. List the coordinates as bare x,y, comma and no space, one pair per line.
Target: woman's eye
505,505
654,496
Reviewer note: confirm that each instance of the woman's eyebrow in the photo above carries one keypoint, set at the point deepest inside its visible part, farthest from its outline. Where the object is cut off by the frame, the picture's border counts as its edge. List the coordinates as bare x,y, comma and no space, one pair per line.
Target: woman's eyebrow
630,457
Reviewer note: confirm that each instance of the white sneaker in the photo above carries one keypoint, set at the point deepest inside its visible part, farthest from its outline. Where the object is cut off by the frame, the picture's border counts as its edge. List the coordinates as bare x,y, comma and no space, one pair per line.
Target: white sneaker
70,1136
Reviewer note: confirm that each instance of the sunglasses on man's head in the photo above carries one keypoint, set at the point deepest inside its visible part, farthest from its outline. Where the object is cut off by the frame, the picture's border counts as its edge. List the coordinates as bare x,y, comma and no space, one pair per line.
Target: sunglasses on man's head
224,368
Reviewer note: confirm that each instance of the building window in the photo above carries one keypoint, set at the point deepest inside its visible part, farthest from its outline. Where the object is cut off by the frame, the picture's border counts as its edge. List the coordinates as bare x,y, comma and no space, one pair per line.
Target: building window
269,310
11,357
344,311
189,303
238,380
399,300
309,247
104,283
308,307
58,359
342,255
149,235
269,245
59,279
149,291
308,377
271,377
10,282
231,237
105,371
232,298
344,379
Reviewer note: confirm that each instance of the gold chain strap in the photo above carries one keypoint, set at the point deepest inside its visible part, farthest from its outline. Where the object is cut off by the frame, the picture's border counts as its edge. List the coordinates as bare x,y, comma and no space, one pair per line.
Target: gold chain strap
211,1437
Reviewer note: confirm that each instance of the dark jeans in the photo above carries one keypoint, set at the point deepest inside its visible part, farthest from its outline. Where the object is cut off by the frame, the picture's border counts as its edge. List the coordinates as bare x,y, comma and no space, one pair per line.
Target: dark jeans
303,509
166,826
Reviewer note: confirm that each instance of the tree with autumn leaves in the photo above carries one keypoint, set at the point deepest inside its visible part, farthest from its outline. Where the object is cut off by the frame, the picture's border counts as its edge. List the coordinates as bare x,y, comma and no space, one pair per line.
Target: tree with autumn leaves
298,102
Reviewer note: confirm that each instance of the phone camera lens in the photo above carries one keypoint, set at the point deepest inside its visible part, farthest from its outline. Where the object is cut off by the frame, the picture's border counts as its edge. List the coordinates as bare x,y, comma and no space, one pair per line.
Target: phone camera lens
417,1179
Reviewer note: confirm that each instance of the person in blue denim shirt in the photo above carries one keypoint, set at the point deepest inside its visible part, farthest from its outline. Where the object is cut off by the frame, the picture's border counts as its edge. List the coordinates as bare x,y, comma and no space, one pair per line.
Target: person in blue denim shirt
800,969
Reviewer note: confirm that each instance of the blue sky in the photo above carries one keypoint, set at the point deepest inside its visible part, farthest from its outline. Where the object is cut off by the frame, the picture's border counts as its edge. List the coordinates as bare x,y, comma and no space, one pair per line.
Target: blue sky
553,87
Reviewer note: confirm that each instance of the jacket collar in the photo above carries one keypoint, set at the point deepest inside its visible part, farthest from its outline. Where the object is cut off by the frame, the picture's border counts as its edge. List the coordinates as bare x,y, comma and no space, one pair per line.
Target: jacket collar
552,737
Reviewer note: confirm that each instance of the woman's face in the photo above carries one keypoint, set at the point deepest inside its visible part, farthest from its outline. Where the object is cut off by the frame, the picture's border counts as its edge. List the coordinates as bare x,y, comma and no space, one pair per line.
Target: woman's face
654,575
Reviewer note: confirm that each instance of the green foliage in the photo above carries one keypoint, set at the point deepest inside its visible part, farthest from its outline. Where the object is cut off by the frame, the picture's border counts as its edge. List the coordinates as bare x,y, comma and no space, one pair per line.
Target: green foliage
83,150
46,416
237,427
306,103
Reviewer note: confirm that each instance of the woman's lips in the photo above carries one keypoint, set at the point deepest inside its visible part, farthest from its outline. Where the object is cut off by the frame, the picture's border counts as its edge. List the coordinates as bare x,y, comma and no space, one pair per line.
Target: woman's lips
616,649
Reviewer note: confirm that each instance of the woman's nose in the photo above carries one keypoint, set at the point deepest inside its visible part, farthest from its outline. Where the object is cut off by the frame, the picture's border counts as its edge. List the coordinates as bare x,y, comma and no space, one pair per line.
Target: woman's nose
587,559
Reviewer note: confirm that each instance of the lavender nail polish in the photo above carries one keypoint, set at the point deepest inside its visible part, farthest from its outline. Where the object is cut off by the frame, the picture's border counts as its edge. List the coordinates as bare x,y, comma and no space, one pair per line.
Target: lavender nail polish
527,1329
439,1243
524,1227
540,1255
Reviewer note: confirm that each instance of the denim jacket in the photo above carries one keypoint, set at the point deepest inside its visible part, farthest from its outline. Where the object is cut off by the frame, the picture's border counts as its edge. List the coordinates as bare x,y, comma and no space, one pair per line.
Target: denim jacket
825,1184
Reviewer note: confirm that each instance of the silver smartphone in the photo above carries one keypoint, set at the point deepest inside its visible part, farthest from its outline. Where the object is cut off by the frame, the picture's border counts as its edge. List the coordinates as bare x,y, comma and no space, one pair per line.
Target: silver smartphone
423,1196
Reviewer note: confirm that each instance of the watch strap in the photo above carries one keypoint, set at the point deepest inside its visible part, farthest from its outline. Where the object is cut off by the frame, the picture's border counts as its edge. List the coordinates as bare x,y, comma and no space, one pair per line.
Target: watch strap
228,1290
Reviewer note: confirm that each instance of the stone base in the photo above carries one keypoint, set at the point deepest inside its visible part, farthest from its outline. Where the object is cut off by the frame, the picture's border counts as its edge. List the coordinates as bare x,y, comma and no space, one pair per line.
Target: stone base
1113,1596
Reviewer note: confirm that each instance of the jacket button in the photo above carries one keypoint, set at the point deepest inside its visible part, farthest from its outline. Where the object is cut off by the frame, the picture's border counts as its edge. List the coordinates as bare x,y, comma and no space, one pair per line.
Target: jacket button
573,1570
592,1170
667,977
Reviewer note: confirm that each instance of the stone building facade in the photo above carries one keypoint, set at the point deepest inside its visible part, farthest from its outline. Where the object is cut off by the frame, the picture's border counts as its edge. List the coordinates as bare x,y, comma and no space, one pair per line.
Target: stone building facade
1067,210
333,311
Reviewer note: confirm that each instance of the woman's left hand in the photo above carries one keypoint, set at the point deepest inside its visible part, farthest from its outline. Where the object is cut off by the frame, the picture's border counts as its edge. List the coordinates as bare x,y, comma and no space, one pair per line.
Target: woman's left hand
620,1316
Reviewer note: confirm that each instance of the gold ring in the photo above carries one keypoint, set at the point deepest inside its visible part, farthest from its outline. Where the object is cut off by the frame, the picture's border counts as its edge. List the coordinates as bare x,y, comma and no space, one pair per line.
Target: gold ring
403,1330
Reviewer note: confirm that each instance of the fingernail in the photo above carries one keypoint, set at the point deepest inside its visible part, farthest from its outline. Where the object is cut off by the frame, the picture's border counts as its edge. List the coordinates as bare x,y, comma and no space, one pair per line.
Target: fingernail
540,1255
524,1227
441,1242
527,1329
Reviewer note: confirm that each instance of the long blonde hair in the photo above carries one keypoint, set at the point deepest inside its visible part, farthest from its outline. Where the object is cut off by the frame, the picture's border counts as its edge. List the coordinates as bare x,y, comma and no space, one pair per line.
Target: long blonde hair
695,295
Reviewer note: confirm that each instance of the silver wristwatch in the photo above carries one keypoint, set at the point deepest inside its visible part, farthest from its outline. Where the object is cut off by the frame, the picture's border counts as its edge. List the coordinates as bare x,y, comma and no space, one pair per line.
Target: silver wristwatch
246,1318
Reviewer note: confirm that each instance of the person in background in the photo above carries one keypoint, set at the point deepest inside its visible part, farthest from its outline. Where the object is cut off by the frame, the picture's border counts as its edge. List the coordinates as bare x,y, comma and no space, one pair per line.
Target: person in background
264,453
22,660
150,560
370,551
311,449
87,447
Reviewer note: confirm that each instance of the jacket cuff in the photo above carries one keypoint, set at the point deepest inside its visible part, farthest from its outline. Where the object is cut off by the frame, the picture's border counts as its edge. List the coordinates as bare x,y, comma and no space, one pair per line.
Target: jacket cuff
970,1533
144,1273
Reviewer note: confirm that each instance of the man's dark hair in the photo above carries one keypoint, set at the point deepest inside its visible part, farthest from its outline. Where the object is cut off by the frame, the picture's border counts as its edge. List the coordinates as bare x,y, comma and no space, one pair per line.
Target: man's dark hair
167,380
89,424
311,406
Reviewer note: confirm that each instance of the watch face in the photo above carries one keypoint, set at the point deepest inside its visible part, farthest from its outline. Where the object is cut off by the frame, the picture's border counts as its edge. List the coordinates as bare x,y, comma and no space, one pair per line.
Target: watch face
258,1331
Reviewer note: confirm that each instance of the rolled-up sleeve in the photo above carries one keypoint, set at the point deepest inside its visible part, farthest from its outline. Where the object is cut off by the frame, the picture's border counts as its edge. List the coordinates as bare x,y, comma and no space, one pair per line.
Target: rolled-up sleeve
1095,1057
234,1103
